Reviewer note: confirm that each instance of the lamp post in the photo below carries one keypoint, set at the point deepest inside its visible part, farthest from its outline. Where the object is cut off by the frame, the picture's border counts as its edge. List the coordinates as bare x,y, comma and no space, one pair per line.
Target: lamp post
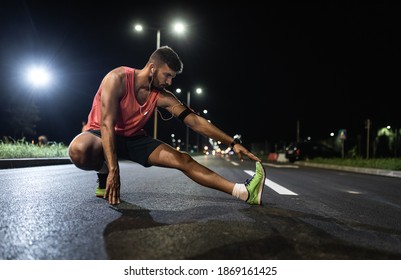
197,136
155,113
198,91
178,28
27,112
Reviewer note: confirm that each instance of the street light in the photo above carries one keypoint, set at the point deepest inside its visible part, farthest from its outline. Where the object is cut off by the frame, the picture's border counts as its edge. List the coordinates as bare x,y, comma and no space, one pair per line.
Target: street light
25,114
38,76
197,135
198,91
178,28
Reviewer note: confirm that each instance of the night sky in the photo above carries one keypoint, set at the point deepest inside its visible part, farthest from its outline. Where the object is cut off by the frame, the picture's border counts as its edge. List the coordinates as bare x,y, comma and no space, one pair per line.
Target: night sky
262,67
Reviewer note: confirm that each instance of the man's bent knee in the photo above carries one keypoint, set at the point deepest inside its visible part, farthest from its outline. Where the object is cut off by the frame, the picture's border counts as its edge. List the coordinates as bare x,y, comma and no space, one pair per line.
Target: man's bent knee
86,156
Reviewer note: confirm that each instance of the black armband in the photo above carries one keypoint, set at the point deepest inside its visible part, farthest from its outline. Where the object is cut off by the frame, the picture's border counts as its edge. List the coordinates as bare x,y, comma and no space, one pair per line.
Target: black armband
185,113
237,140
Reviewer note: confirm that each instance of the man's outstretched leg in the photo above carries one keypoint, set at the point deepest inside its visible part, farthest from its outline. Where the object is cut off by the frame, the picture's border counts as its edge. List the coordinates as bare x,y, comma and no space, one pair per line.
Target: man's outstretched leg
250,191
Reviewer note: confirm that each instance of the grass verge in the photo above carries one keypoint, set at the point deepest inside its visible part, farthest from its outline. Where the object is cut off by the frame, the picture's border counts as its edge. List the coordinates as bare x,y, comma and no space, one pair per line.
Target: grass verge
377,163
23,149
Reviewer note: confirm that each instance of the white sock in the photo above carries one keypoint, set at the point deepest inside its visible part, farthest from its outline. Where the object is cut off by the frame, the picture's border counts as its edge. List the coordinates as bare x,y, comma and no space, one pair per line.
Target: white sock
240,192
104,169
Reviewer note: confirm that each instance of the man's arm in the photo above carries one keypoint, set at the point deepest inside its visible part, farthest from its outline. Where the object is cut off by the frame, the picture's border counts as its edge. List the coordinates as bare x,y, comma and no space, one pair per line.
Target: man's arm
111,93
200,125
204,127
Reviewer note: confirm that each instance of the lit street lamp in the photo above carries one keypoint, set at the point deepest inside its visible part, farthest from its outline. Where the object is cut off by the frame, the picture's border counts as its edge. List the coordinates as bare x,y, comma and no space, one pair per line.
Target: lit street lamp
25,113
200,143
178,28
38,76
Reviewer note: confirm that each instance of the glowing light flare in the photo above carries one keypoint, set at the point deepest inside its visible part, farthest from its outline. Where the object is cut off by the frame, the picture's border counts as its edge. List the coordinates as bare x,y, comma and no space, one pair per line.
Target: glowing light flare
38,76
138,27
179,27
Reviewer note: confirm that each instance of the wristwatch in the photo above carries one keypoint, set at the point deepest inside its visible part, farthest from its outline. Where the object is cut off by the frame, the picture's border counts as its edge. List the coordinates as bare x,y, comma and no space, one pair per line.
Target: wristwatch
237,140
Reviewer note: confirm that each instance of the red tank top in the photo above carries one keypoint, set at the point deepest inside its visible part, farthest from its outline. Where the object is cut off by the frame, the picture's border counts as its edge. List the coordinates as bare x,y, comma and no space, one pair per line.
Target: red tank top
132,117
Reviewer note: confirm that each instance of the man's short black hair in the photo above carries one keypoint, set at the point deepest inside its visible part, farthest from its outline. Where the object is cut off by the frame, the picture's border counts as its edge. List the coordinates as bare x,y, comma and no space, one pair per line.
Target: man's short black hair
166,55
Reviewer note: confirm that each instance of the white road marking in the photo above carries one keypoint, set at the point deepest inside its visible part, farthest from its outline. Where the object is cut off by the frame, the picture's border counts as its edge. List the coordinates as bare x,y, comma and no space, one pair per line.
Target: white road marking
274,186
281,165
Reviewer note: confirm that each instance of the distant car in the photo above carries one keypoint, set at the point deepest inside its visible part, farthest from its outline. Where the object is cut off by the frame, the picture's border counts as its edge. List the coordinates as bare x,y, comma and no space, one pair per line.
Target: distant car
309,150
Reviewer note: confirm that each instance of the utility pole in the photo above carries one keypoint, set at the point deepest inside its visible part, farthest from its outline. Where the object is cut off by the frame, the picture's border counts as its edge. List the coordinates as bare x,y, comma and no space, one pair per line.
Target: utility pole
395,142
187,128
298,131
367,126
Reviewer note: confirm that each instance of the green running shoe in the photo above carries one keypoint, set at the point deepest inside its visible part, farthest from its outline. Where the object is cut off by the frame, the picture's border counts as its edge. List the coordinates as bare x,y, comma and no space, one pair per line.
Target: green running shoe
101,185
100,192
255,185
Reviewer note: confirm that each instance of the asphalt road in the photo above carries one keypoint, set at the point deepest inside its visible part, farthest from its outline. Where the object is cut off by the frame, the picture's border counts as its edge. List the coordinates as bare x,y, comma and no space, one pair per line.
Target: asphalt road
51,213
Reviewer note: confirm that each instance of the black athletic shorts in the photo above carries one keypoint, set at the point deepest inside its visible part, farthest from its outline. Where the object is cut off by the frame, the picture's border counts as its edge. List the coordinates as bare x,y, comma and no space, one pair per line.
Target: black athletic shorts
136,148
